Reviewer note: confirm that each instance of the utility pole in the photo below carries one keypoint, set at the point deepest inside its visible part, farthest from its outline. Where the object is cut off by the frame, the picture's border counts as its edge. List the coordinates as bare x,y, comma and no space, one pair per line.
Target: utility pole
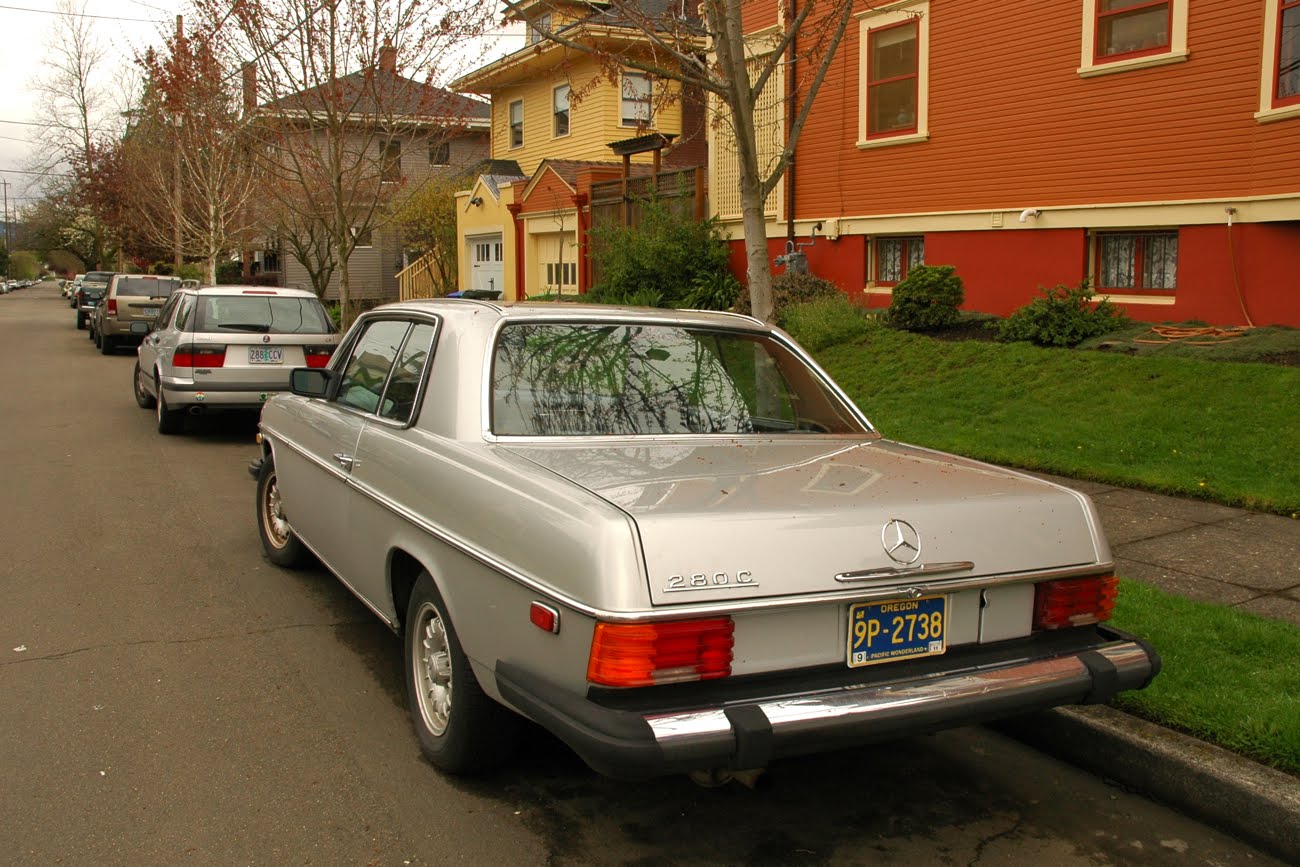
8,257
177,257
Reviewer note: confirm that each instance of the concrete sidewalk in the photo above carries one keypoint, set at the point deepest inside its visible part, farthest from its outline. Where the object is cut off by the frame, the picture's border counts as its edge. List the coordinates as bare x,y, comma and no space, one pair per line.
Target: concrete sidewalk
1215,554
1203,550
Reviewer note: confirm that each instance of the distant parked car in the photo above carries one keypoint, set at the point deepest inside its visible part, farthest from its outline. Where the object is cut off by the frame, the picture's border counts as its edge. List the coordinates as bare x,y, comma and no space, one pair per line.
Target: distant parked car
88,295
670,539
227,348
130,298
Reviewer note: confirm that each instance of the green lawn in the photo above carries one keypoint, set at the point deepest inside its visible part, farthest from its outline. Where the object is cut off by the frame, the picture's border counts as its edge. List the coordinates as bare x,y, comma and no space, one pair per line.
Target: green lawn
1220,431
1229,677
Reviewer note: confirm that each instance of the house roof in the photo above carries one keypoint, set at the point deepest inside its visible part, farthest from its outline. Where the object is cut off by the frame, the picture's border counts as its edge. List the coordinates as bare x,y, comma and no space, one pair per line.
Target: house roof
377,91
568,171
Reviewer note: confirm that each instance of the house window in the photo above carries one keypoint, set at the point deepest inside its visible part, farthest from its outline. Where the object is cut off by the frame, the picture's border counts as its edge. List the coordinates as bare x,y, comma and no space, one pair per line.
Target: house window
560,110
440,154
517,123
1286,90
1137,260
393,161
894,75
541,22
894,257
892,72
363,237
561,274
1132,34
1128,28
636,99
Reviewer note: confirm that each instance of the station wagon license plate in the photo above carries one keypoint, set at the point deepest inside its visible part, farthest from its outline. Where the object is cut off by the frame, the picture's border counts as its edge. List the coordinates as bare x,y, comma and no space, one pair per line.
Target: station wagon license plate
266,355
149,311
897,629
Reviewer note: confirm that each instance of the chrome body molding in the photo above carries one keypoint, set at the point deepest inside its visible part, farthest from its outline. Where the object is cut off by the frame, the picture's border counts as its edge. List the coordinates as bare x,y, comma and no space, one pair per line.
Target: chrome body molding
905,571
838,708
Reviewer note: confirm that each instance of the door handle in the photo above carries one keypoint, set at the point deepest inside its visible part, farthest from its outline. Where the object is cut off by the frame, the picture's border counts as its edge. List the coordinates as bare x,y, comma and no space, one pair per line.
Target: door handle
345,461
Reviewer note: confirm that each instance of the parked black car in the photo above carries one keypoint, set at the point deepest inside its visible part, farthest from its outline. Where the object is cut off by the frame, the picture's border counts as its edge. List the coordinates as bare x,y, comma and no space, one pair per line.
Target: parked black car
93,287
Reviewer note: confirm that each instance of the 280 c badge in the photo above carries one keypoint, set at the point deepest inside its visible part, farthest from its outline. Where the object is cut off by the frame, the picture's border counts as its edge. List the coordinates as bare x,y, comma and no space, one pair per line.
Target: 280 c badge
716,581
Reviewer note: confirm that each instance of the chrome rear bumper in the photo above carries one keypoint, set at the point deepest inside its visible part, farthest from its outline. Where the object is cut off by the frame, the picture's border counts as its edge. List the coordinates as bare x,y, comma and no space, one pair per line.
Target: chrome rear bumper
750,733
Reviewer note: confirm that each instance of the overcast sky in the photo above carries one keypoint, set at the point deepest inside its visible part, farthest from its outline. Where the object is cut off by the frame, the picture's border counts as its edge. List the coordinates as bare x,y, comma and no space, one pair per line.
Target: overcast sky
123,27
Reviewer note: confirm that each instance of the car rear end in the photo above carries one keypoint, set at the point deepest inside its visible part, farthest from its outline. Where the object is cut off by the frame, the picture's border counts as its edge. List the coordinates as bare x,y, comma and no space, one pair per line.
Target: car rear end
90,293
133,298
240,345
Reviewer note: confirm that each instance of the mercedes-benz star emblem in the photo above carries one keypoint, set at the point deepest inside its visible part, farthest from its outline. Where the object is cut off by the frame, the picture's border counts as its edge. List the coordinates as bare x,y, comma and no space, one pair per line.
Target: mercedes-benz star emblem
902,542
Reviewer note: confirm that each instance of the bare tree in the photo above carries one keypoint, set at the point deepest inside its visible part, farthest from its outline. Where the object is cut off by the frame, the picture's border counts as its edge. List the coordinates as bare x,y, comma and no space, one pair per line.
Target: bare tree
331,106
702,44
192,154
73,99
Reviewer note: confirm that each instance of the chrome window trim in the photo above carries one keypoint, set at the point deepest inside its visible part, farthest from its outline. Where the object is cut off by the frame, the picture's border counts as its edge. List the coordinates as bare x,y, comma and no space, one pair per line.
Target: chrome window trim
349,340
679,612
489,356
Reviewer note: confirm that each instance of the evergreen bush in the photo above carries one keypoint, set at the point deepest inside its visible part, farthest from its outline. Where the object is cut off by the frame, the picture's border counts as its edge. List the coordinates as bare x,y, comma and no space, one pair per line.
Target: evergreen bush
826,321
789,289
1062,316
926,299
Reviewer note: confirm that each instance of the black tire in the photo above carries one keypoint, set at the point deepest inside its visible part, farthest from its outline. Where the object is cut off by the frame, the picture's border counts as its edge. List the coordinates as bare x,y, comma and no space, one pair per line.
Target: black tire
106,346
142,397
282,547
170,421
81,320
461,729
90,333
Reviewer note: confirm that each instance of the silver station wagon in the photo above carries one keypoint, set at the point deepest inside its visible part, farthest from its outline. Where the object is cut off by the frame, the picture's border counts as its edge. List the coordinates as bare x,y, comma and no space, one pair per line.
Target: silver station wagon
670,539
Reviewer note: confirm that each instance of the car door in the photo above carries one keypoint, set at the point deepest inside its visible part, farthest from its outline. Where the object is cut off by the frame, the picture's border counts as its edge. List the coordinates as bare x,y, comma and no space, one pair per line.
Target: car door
149,346
385,468
315,469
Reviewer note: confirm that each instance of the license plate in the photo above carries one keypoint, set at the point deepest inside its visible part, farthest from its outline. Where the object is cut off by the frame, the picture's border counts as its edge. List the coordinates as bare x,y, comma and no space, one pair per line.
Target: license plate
898,629
265,354
149,311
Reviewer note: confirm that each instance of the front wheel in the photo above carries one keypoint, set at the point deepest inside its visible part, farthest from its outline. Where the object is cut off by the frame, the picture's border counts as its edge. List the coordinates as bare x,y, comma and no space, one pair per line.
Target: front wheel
81,320
461,729
282,547
142,395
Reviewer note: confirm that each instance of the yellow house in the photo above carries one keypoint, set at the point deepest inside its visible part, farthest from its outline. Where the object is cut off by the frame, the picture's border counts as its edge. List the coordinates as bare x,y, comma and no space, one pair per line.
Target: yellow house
555,113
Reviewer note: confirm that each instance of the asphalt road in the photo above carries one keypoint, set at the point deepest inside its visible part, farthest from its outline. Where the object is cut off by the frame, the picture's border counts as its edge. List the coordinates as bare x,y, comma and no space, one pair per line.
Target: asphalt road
167,696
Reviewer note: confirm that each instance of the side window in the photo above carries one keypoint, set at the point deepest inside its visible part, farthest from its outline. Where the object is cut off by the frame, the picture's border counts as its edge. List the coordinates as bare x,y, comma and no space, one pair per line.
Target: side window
165,314
367,368
183,314
404,384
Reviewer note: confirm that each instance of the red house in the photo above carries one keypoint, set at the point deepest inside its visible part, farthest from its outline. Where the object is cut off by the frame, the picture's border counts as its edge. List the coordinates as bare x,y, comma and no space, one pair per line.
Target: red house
1149,146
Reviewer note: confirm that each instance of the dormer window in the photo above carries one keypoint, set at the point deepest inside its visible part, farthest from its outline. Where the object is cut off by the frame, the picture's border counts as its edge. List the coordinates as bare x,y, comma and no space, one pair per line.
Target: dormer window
541,22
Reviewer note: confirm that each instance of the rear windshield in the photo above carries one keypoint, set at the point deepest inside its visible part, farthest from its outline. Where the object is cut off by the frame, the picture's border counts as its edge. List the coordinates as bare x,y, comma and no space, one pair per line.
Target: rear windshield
98,277
148,287
262,314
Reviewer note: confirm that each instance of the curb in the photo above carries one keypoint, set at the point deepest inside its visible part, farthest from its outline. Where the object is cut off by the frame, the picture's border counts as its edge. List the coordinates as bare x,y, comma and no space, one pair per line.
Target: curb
1243,798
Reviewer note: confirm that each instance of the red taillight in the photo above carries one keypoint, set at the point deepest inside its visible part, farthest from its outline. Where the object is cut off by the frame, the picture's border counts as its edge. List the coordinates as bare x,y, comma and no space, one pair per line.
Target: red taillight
317,356
112,306
644,654
1074,602
199,356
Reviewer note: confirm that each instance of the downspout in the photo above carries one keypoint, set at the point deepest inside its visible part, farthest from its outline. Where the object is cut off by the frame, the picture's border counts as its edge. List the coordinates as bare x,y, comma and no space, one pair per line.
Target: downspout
514,208
791,112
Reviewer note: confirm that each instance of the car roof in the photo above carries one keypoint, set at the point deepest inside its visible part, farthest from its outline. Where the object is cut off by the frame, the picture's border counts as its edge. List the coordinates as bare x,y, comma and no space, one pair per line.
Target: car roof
569,311
278,291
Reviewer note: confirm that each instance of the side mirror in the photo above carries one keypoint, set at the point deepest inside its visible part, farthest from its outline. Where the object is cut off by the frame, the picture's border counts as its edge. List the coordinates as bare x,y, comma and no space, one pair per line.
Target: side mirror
312,381
141,328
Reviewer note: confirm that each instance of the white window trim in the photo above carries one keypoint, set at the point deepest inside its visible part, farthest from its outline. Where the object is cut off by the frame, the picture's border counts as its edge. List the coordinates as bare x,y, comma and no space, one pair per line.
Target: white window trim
510,124
887,15
1268,70
568,111
650,99
1177,52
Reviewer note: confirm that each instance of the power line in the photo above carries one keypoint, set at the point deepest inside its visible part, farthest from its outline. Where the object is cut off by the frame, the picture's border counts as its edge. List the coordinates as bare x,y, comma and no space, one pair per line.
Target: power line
85,15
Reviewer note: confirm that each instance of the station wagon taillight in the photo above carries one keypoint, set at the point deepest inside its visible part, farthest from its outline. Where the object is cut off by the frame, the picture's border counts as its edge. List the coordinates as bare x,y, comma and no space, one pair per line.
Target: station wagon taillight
199,356
645,654
317,356
1074,601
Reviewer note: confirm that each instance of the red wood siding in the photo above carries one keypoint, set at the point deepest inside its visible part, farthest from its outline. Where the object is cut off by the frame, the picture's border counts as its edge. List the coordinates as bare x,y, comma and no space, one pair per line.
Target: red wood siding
1012,124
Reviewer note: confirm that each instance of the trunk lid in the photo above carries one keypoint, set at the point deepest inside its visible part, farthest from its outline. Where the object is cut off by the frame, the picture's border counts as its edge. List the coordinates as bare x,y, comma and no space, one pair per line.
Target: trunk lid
739,520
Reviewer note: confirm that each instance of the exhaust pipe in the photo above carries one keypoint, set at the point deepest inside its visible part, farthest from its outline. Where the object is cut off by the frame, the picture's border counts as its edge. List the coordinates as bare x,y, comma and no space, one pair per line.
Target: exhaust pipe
715,778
